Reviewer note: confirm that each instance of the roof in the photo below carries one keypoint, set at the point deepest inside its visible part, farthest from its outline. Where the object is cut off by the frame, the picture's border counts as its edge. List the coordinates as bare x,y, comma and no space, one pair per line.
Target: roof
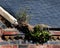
2,25
45,11
8,16
11,29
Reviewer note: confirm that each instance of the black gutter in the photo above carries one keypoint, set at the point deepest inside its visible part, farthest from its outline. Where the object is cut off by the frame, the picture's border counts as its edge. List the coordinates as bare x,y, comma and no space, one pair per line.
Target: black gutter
55,29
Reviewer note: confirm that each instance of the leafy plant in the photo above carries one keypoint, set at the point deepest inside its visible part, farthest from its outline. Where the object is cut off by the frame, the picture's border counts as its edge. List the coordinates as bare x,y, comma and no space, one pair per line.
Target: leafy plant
38,35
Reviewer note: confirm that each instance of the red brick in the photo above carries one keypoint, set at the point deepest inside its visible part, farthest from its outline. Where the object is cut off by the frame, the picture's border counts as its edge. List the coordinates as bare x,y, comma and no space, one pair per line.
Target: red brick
56,46
6,46
55,32
15,46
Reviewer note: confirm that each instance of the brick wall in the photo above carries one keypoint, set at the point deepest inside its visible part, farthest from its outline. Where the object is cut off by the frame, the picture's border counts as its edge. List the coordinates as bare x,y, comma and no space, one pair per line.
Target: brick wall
30,46
43,46
8,46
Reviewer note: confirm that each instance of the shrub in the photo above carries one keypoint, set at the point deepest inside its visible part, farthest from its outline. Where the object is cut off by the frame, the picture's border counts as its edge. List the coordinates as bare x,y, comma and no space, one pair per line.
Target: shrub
39,35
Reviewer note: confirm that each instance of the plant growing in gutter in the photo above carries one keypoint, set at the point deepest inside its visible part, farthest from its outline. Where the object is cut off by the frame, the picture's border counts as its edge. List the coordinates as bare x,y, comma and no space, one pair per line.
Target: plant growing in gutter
22,16
38,35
